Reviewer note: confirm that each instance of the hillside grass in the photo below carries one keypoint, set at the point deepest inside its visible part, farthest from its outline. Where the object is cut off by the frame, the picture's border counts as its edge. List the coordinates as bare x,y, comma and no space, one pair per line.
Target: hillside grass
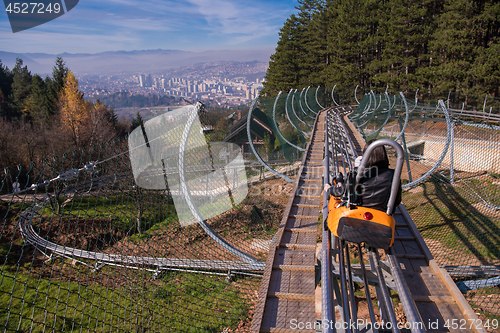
177,301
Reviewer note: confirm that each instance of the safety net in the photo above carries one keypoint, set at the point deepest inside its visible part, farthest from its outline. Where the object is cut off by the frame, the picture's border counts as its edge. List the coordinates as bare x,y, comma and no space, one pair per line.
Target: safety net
450,179
163,231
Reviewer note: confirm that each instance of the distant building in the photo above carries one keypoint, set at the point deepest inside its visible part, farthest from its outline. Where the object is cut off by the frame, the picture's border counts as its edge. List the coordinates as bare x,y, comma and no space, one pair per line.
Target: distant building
259,128
145,81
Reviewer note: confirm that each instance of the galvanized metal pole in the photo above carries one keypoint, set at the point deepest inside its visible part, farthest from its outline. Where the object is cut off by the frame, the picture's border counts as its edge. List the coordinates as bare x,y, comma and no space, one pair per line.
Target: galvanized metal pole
327,308
452,149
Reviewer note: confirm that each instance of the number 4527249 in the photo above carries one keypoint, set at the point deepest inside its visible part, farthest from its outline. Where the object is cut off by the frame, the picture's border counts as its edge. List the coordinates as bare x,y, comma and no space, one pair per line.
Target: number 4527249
33,8
462,324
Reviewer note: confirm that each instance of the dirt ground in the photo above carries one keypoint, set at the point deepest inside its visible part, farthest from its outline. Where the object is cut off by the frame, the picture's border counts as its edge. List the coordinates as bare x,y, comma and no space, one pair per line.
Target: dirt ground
249,226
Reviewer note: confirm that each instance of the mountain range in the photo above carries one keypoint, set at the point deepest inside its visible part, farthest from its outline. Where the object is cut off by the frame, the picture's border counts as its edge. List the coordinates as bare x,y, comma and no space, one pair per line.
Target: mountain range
129,61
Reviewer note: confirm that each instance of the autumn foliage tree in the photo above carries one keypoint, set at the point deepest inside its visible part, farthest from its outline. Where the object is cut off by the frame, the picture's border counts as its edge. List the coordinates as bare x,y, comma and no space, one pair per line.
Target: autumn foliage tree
101,123
46,117
73,114
84,122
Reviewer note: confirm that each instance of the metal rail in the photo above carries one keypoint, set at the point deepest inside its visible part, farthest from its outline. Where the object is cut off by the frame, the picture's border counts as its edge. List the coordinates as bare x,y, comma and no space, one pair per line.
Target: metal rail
327,297
249,262
283,300
410,250
45,246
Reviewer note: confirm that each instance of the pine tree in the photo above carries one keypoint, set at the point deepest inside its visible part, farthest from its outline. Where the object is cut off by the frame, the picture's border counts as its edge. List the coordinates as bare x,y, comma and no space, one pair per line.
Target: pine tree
282,73
36,106
59,73
440,45
452,46
486,68
486,71
52,97
318,45
347,33
55,85
21,85
5,89
136,122
403,37
311,58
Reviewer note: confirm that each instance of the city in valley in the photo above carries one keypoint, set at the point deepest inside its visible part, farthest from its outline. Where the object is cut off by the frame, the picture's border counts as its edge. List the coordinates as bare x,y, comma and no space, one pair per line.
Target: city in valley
224,83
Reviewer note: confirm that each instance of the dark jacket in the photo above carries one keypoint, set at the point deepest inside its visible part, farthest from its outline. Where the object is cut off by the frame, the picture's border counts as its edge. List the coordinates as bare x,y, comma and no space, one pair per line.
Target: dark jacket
374,189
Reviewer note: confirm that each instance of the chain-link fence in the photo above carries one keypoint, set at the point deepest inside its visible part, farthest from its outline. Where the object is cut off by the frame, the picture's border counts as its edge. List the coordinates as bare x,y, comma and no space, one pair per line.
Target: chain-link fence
452,181
168,230
157,232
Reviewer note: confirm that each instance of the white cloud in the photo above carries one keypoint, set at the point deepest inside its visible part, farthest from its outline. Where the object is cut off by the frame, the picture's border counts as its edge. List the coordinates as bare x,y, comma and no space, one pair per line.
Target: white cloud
247,20
96,25
54,43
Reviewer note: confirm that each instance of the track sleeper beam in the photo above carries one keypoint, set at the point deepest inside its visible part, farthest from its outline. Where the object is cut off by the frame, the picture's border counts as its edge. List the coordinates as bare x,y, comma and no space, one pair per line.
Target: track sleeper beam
301,230
295,268
308,217
292,296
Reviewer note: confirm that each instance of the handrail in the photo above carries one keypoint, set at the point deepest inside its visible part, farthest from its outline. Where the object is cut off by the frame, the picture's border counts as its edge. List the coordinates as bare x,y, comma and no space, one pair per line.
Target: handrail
445,149
293,110
300,104
316,96
407,113
355,97
376,133
397,171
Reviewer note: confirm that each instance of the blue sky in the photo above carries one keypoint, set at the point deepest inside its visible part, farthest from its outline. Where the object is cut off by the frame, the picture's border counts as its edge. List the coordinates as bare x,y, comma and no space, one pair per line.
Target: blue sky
193,25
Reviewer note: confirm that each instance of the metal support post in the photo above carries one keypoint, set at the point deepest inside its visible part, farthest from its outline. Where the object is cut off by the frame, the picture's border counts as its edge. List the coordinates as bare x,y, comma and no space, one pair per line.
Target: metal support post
405,150
452,145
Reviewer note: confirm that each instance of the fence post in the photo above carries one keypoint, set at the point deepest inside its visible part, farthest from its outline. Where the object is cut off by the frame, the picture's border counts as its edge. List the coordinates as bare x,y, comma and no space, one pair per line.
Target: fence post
452,145
405,150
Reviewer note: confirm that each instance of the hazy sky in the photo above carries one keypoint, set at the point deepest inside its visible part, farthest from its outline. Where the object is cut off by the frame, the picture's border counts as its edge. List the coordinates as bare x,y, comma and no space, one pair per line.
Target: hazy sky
192,25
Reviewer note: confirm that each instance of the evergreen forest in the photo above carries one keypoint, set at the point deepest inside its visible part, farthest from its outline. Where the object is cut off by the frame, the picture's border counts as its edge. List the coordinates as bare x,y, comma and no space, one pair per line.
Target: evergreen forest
437,46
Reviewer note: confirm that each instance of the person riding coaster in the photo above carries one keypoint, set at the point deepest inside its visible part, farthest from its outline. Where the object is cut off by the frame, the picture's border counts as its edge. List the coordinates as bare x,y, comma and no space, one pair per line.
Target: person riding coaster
360,208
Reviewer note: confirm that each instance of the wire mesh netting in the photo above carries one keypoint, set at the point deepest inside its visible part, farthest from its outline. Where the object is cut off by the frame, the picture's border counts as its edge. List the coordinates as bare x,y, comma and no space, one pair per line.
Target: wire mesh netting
168,229
162,231
281,137
281,126
452,182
